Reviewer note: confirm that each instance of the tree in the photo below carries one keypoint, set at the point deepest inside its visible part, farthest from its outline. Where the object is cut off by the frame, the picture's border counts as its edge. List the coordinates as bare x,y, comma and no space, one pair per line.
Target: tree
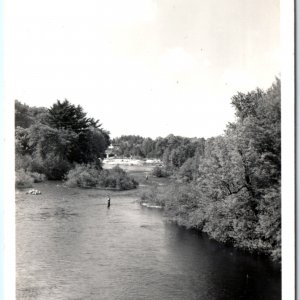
58,138
22,116
64,115
90,146
239,176
189,170
91,140
25,116
148,147
51,150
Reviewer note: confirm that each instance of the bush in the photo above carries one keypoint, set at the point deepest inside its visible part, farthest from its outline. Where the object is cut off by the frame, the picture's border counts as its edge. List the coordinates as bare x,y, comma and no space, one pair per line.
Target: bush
89,176
117,178
53,167
37,177
153,196
159,172
23,162
83,176
184,205
23,179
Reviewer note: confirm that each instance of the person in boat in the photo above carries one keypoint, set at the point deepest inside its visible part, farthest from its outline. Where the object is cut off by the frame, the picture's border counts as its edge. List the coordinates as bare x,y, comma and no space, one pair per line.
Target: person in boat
108,202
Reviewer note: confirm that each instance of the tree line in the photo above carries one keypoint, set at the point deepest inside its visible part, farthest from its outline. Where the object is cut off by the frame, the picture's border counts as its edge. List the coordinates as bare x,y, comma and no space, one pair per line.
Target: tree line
172,150
232,189
50,141
62,143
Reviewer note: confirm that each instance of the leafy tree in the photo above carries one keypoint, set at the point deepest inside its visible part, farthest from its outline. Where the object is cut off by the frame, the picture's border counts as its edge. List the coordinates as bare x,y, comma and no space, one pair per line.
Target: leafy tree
22,116
241,174
90,146
189,171
25,116
233,181
148,147
22,141
57,138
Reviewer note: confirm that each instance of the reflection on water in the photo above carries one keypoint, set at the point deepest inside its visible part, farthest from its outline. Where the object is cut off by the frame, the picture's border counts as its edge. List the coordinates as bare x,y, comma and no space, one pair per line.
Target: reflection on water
73,247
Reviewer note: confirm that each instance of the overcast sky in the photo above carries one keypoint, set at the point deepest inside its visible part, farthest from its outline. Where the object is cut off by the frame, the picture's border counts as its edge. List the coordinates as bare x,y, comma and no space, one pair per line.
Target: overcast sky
146,67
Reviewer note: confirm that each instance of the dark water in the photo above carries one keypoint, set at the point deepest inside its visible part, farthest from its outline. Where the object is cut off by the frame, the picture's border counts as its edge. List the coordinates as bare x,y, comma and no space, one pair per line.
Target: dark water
70,246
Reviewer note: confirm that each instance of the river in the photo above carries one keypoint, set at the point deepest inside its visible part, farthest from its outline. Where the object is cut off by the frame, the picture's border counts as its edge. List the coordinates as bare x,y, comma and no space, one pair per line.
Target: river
70,246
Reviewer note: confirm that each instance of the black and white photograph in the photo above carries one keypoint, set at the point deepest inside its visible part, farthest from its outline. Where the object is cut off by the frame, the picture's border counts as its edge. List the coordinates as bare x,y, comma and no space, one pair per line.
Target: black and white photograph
148,150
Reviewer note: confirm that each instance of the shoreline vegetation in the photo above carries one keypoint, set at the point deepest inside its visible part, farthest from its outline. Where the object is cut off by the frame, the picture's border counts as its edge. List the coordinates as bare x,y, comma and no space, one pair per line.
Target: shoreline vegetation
226,186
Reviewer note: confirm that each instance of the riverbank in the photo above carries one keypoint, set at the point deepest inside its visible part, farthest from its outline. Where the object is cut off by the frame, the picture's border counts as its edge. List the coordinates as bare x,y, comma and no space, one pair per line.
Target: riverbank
138,171
183,205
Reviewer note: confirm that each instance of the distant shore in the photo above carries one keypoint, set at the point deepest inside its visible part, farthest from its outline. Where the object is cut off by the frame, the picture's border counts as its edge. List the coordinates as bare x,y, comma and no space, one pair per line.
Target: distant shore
131,161
132,164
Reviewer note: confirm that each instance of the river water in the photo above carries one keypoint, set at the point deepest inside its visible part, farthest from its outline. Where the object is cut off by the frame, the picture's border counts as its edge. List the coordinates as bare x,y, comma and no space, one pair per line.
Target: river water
70,246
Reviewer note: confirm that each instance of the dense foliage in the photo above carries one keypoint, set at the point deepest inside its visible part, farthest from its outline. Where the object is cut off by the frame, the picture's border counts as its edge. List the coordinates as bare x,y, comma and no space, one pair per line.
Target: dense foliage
88,176
25,116
172,150
51,141
23,179
232,190
160,172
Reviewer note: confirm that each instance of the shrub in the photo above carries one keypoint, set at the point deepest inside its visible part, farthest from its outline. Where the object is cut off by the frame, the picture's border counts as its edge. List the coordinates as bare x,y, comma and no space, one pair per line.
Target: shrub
23,162
153,196
27,164
23,179
117,178
37,177
83,176
182,203
53,167
89,176
159,172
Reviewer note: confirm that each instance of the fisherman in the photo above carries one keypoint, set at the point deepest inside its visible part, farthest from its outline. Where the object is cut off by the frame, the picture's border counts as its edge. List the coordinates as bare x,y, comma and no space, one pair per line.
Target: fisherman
108,202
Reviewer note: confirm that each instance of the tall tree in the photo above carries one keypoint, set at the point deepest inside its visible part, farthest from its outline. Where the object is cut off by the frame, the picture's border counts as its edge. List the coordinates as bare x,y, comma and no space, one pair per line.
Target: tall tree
64,115
57,138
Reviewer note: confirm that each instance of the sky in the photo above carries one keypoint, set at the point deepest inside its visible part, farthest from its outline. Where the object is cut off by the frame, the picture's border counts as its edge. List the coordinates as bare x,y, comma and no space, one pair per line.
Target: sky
143,67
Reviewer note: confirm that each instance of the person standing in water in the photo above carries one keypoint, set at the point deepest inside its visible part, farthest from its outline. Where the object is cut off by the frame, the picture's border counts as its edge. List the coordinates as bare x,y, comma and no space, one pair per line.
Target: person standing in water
108,202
